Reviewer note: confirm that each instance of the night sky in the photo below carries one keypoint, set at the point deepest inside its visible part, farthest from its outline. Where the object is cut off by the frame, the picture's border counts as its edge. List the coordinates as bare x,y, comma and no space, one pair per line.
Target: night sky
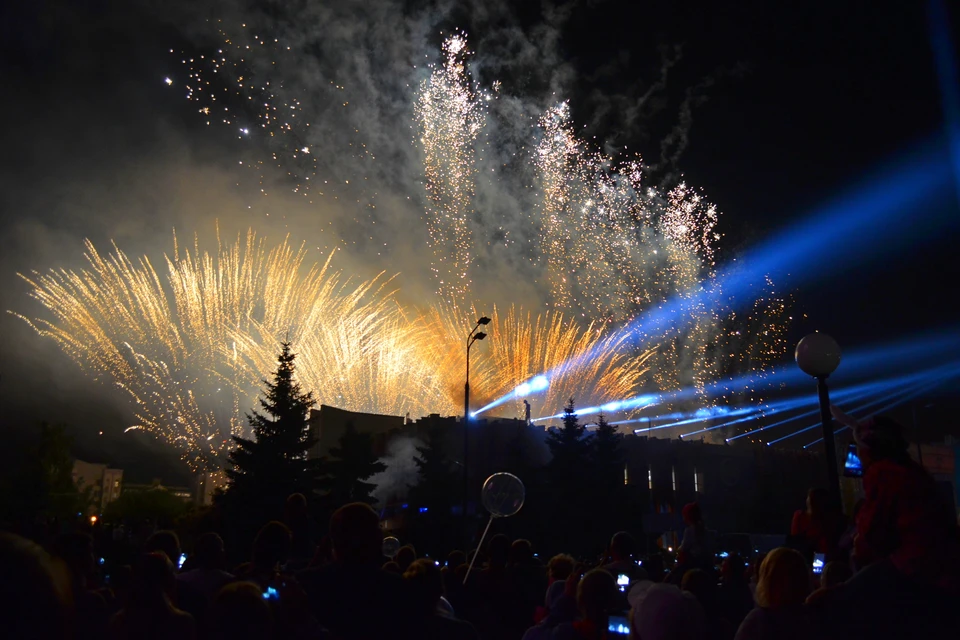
788,108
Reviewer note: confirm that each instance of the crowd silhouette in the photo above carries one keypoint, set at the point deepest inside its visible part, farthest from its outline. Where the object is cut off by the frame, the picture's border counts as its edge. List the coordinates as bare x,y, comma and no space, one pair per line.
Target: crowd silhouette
892,570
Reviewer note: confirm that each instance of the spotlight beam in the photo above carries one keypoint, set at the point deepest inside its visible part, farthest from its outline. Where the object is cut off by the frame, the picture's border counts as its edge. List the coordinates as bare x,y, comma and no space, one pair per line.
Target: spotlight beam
924,349
851,230
882,409
903,384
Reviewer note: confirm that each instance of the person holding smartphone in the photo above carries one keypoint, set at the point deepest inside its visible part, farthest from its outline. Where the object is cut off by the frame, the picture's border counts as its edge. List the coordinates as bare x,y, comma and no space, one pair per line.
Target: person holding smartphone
907,544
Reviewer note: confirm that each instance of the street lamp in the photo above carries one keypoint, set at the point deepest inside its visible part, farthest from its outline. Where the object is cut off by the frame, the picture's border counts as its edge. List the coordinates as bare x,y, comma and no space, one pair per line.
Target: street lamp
818,355
471,338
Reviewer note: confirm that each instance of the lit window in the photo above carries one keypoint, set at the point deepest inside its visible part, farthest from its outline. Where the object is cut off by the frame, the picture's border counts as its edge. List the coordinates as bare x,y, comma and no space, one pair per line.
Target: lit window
626,476
649,478
673,477
696,481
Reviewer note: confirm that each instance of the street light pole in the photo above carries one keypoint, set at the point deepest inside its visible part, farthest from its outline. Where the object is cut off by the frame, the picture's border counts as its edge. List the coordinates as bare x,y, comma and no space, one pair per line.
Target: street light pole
818,355
829,444
471,338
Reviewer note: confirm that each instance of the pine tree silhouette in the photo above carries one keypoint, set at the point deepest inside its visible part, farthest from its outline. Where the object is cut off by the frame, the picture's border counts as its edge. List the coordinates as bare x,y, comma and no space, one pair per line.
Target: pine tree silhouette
353,463
273,464
607,456
567,444
437,482
568,474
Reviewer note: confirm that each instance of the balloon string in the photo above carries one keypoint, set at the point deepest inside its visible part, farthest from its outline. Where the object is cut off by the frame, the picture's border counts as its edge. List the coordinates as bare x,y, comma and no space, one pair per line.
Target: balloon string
479,546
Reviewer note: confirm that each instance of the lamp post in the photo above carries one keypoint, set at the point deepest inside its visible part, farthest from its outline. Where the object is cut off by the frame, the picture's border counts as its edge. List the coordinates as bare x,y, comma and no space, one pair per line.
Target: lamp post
818,355
471,338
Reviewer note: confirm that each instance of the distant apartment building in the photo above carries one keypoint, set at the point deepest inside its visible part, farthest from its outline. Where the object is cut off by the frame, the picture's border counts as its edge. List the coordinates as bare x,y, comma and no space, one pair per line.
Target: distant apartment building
105,483
184,493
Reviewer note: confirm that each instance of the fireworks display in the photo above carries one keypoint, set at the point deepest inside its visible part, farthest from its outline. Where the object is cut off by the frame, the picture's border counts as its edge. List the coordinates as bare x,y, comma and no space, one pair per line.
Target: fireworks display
191,343
449,117
190,349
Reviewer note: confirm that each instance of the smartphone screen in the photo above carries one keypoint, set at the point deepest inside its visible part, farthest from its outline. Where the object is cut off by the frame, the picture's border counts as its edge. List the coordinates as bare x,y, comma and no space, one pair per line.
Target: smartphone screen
818,563
618,626
623,581
852,467
183,558
271,594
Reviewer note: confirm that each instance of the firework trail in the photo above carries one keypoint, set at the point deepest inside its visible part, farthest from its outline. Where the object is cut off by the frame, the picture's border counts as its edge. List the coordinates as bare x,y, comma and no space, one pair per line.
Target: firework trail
521,344
191,349
190,345
613,249
449,118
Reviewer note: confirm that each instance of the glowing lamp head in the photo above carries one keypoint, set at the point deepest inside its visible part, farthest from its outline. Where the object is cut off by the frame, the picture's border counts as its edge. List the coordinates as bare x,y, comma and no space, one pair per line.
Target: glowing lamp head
818,355
93,519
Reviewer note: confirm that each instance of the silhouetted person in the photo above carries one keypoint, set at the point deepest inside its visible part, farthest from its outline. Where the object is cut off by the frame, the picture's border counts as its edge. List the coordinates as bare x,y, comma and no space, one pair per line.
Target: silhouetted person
150,613
817,528
621,558
696,547
434,620
492,591
834,575
783,586
238,610
663,612
596,593
196,587
297,519
90,608
166,542
353,597
271,549
209,576
734,597
35,598
906,542
704,588
528,581
405,557
560,567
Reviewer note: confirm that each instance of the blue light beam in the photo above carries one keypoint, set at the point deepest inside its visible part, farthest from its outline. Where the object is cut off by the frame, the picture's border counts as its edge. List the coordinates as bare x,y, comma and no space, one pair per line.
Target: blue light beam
864,223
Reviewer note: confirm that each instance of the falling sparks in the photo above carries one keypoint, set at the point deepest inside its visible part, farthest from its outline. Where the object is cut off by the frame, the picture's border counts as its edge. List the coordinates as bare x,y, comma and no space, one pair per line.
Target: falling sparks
190,348
449,117
189,344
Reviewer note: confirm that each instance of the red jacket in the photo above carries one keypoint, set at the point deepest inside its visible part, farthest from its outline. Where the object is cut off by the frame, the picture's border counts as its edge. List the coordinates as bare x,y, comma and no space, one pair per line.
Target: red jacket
821,536
904,518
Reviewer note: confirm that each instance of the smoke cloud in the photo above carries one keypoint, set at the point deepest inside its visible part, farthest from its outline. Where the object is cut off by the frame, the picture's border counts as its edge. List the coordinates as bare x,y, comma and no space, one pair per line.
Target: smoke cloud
103,147
401,471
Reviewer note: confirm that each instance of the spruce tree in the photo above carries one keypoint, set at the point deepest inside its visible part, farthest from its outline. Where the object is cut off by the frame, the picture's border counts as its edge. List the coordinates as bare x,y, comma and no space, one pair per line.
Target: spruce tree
273,464
567,444
353,463
436,493
607,456
606,481
568,475
437,482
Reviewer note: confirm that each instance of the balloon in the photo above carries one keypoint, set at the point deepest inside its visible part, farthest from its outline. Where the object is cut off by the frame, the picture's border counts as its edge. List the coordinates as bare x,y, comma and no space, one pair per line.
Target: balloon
502,494
390,547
